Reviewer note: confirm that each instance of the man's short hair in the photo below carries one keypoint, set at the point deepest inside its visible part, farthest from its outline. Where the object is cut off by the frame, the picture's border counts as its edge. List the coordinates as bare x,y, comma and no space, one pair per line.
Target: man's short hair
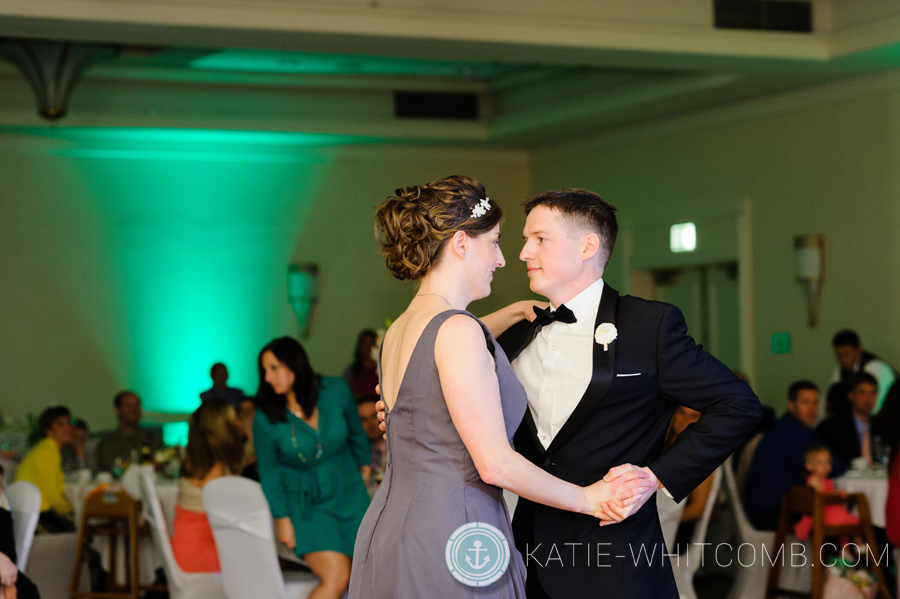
49,416
79,424
117,400
585,210
846,337
212,370
366,399
798,386
859,378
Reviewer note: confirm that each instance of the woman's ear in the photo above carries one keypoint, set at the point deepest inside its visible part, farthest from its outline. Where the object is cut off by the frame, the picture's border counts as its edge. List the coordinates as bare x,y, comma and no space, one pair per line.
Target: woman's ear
459,244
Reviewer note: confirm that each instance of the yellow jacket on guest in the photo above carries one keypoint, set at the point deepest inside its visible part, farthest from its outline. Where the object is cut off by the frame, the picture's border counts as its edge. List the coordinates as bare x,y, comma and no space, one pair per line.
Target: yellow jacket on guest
42,466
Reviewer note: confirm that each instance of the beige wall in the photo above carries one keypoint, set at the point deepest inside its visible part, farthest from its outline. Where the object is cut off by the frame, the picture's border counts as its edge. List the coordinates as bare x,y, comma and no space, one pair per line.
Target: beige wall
137,259
807,164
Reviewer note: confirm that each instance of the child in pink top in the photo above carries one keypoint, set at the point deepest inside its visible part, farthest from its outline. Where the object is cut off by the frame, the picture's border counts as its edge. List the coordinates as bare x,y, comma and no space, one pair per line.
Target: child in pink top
818,465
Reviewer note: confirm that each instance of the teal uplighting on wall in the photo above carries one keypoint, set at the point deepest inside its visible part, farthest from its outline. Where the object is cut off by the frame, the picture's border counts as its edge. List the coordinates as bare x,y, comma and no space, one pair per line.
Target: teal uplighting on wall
269,61
198,228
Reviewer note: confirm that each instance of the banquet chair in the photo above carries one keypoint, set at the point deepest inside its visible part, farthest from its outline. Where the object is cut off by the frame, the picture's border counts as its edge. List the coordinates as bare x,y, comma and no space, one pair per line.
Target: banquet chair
685,566
182,585
806,501
750,582
242,526
25,505
512,500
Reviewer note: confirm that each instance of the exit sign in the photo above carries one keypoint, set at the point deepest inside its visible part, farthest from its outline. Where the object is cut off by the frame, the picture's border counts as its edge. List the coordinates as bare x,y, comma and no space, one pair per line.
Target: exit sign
781,343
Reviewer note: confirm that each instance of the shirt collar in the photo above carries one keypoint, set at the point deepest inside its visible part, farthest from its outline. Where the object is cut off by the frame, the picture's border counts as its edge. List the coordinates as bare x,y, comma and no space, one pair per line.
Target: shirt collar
585,305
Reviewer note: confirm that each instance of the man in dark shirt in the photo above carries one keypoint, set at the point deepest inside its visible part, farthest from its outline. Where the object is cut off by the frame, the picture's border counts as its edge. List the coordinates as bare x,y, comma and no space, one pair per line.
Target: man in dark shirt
778,463
849,435
127,443
220,388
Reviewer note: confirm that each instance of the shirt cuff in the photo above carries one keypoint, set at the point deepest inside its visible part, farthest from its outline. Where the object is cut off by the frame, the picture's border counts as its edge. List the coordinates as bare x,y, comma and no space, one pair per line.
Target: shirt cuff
666,491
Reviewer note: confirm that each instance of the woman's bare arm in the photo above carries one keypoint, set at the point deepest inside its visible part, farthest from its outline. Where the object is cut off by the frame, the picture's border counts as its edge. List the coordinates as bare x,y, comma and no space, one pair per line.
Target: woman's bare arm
472,394
497,322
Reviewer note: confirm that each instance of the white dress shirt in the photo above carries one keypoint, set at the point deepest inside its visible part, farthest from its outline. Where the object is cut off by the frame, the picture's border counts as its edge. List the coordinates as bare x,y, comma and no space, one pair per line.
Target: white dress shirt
556,368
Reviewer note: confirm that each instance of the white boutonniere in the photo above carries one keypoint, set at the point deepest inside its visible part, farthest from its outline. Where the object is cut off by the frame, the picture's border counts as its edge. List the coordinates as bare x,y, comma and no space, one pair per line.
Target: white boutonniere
605,334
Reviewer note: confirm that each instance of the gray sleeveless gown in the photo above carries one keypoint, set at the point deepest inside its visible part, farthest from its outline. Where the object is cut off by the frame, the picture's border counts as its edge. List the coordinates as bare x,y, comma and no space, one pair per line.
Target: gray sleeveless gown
431,488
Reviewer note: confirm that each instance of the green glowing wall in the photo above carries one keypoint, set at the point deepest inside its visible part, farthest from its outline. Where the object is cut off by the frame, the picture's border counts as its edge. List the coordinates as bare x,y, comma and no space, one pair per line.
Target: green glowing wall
137,258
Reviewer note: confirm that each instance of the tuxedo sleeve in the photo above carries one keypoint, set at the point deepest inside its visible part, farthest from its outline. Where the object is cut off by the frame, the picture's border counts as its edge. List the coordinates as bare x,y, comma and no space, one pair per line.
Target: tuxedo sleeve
729,409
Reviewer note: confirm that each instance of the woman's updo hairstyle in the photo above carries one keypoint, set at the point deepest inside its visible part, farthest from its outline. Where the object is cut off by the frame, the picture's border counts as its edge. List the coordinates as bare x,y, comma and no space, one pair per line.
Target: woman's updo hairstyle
413,225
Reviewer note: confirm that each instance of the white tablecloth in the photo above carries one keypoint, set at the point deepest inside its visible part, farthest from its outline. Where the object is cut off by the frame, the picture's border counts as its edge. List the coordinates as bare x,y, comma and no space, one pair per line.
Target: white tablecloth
150,557
874,486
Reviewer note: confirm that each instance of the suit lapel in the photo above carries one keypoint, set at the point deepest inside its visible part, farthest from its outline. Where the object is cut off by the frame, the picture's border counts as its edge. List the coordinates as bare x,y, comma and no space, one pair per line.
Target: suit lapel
516,338
513,341
604,363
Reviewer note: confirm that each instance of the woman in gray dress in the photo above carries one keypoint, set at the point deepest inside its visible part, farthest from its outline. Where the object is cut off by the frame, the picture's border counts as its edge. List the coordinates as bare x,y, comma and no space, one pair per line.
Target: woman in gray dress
453,405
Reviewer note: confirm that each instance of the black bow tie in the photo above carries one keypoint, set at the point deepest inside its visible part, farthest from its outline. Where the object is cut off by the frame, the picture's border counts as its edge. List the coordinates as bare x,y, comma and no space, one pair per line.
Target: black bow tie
562,314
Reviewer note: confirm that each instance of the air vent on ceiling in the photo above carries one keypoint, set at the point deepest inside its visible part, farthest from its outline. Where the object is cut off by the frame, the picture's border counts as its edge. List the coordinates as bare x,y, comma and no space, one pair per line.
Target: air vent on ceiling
431,105
769,15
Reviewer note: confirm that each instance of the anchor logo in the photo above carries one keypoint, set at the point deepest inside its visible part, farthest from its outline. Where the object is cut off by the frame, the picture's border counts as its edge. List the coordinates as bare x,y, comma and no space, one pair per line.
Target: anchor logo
477,549
477,554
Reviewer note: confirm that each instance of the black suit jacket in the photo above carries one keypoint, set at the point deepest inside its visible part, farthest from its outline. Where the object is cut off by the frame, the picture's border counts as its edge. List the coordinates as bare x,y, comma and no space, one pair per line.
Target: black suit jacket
839,435
624,420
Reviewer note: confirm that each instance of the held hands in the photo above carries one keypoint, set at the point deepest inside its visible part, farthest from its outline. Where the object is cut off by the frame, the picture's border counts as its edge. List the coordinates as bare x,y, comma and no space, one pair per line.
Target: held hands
286,533
622,491
612,511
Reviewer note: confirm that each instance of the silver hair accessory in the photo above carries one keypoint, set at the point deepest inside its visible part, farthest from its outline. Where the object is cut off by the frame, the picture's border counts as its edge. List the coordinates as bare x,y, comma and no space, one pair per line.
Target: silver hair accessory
481,208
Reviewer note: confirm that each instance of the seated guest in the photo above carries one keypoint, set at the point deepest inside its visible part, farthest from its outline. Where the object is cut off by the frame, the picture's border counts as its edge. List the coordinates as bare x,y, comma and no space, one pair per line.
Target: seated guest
849,436
246,413
42,466
214,449
818,469
362,374
13,584
127,443
779,460
73,452
697,500
368,417
853,359
220,388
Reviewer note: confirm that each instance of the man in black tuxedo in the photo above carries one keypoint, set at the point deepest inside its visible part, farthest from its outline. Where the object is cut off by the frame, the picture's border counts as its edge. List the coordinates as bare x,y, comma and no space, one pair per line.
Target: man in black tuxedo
596,402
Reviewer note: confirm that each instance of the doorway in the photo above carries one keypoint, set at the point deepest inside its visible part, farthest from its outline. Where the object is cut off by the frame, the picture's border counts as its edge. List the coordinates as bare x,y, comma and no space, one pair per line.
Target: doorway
707,295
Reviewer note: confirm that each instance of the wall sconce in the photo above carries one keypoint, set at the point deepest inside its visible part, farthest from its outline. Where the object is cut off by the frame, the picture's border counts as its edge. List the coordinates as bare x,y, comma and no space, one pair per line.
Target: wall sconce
810,250
302,284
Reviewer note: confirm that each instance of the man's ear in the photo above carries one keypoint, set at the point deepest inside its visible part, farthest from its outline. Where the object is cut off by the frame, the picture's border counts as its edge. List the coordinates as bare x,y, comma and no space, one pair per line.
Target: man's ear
590,246
459,244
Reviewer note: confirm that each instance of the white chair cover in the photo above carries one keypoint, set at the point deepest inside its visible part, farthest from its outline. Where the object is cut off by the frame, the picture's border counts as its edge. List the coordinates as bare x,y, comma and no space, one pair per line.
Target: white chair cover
242,526
669,514
512,500
50,564
25,505
749,582
685,566
182,585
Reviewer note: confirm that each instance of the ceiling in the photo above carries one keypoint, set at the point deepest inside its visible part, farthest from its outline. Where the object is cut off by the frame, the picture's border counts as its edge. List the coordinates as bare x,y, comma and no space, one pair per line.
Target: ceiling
529,98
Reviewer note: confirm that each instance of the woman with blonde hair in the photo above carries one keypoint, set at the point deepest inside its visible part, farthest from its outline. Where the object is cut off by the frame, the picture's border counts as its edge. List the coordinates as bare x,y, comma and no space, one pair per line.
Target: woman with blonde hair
453,405
214,449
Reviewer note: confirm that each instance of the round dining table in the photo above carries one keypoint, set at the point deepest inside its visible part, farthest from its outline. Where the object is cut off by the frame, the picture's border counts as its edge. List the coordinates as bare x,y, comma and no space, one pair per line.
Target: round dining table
873,484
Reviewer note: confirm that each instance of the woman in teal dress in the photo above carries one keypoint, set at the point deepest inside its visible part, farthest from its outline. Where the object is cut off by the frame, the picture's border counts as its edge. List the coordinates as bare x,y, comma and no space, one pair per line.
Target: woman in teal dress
313,459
